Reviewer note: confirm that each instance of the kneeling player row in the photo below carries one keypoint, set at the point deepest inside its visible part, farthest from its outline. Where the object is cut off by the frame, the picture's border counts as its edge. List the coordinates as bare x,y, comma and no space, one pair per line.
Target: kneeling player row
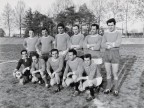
83,74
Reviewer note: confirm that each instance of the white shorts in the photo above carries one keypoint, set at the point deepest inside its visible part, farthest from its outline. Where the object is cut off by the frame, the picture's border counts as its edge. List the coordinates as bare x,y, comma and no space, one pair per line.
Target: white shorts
96,81
97,60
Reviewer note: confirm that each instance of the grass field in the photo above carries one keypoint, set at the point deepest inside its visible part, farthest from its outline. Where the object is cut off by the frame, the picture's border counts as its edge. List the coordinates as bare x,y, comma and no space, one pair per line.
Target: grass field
31,95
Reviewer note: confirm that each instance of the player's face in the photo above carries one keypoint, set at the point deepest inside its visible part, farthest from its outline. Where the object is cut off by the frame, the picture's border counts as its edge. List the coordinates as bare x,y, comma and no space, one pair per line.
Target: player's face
71,56
93,30
55,54
31,33
111,26
87,61
75,30
34,59
24,55
60,30
44,33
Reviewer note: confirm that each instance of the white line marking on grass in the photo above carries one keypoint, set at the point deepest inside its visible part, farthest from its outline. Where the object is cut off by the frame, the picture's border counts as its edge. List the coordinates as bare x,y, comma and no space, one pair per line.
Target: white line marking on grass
8,61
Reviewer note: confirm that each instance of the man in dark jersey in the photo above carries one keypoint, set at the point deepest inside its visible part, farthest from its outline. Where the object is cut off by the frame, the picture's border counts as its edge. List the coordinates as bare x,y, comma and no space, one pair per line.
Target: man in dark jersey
25,74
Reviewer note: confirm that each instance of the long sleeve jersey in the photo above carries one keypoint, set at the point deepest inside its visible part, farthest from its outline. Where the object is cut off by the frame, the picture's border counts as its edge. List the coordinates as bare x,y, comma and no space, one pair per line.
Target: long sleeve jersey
55,65
74,66
29,43
114,36
62,41
46,44
25,63
77,40
91,71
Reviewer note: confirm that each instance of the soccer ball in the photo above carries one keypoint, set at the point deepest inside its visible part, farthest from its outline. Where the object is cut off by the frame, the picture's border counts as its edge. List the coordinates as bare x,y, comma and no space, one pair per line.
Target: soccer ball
18,74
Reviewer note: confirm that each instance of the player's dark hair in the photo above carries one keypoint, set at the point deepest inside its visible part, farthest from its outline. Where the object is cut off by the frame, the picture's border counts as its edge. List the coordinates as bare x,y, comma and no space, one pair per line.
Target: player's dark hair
111,20
44,28
96,25
23,51
88,56
54,50
61,25
36,55
73,51
31,29
76,26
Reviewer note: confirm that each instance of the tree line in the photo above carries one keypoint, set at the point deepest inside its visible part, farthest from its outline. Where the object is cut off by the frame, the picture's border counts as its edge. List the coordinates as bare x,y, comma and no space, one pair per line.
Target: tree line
65,11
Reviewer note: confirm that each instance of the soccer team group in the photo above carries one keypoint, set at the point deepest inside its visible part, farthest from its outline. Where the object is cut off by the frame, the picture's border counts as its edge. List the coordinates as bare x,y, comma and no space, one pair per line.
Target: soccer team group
76,60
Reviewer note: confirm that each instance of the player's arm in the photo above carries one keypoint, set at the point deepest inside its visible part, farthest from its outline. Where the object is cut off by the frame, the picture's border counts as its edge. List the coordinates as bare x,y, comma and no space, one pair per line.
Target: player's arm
48,67
25,43
85,42
80,45
55,42
18,66
66,71
37,45
117,43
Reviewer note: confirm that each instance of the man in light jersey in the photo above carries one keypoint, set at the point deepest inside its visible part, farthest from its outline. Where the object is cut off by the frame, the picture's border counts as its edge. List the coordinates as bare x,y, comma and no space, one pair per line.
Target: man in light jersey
111,42
91,76
46,43
76,41
54,68
38,68
72,70
62,40
30,42
92,44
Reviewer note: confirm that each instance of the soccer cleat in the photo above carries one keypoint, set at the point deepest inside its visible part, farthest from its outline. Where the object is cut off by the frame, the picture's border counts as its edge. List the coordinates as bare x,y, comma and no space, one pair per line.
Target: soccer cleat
76,93
89,98
115,93
107,91
47,85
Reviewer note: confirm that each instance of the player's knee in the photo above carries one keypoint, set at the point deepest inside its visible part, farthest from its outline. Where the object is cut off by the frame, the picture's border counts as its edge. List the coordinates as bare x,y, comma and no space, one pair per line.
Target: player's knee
74,77
52,82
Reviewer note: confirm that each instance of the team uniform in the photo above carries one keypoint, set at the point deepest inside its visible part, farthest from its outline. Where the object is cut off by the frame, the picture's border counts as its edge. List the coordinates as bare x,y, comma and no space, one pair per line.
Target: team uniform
61,43
92,45
55,66
76,42
29,45
72,70
92,74
112,55
37,69
46,44
26,72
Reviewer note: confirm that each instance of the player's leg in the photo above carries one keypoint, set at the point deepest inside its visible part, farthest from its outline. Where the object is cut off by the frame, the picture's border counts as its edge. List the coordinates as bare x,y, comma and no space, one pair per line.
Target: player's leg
57,80
76,85
115,67
68,81
108,73
44,77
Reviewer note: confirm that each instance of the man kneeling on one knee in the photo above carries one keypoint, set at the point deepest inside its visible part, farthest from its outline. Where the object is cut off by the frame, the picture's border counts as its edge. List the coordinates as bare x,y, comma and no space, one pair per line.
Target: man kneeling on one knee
54,68
38,68
90,77
72,70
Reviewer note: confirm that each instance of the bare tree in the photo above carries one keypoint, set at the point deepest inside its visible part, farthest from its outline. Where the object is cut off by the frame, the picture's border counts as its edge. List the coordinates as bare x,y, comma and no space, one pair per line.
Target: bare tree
8,17
19,14
61,5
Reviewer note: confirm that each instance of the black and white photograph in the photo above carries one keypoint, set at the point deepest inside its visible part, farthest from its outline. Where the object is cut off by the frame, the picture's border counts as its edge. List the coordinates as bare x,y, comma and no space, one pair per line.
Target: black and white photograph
71,53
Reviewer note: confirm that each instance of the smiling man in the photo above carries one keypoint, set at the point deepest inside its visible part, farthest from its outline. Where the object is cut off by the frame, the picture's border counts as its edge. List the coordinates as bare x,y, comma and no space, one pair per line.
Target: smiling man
111,42
54,68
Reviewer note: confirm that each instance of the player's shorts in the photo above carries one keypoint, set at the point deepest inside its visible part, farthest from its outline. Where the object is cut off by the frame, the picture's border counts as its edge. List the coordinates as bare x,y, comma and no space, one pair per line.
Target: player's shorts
94,54
45,56
112,55
97,60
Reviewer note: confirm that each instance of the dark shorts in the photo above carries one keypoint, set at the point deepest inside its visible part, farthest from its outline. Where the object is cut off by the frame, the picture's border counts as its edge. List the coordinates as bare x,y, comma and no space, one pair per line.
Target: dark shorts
112,56
45,56
26,76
